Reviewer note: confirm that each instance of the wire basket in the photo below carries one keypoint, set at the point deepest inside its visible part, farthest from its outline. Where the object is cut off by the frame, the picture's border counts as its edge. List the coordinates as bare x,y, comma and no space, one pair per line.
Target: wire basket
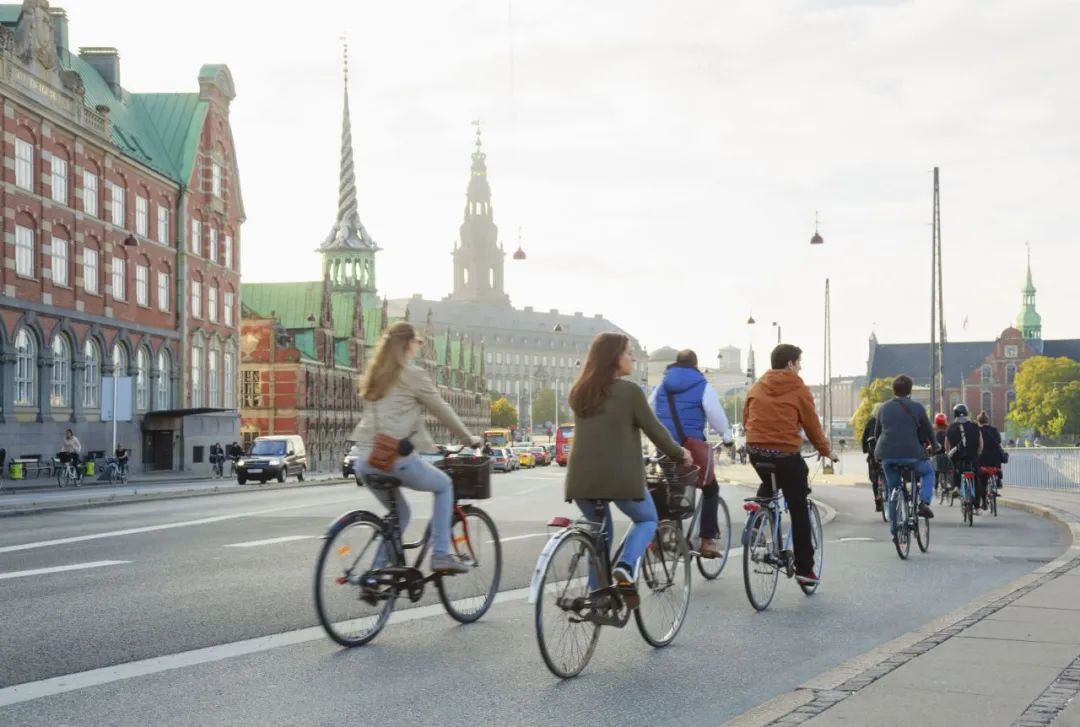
470,474
673,488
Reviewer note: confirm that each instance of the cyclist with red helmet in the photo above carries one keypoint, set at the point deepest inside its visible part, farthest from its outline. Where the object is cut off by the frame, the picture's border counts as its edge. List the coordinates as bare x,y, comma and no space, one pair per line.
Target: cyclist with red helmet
942,463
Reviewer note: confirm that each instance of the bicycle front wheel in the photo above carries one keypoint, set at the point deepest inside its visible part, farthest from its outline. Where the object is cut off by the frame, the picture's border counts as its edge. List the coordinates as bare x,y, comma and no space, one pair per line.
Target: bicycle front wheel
817,538
760,560
475,543
565,631
882,489
664,586
901,528
711,568
351,611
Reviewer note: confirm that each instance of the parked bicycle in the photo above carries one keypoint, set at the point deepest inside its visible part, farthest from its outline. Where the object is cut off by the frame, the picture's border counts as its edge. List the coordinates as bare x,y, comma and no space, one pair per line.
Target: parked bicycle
68,470
362,570
767,549
903,508
574,593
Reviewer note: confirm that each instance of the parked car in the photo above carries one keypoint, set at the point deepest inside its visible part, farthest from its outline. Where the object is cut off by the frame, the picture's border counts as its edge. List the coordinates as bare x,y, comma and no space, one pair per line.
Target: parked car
525,457
273,457
501,459
349,460
540,454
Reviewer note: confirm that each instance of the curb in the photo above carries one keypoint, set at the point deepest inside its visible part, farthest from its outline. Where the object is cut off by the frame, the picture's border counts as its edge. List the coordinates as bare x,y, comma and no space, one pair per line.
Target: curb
34,508
825,687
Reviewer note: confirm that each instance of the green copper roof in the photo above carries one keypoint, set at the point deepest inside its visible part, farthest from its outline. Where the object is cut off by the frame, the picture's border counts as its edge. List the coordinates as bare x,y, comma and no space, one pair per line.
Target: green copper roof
9,14
341,352
178,118
292,303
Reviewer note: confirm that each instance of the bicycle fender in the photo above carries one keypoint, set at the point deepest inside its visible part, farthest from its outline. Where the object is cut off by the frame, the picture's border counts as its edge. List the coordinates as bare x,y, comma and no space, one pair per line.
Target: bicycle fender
341,522
542,561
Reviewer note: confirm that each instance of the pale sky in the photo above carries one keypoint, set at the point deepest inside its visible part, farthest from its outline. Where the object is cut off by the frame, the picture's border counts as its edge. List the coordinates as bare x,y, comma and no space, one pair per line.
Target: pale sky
664,160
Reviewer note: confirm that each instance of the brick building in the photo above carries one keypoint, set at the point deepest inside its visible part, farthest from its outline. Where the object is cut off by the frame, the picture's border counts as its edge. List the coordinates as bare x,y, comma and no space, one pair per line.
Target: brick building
101,188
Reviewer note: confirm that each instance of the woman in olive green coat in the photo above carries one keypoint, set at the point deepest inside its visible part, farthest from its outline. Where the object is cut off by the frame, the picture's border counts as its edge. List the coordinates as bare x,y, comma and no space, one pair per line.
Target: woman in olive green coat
609,415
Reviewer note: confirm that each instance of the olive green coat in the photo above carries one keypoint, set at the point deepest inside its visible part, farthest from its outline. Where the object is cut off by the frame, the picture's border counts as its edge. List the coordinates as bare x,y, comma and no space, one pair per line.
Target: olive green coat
606,460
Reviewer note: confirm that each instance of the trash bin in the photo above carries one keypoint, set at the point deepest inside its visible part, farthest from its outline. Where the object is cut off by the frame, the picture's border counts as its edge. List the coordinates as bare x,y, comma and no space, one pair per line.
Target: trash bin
89,467
15,470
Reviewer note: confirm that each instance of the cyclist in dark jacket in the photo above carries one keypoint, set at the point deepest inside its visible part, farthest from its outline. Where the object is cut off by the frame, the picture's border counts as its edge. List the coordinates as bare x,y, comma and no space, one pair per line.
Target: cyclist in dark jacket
869,437
991,456
903,436
964,440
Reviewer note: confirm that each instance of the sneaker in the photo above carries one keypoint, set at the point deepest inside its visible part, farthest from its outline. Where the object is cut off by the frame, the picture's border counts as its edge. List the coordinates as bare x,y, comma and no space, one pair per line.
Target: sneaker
925,511
707,548
809,579
623,575
447,565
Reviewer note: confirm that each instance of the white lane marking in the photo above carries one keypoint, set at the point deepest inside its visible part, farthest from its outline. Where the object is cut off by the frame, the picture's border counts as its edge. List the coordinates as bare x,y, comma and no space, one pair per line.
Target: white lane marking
533,489
61,568
106,675
853,540
518,537
270,541
166,526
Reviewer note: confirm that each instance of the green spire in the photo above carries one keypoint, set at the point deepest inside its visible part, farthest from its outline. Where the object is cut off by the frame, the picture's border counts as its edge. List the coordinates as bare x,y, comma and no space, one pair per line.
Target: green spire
1029,321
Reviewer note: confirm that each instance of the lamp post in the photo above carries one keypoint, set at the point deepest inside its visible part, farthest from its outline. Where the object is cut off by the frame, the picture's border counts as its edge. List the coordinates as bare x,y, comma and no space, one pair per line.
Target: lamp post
129,241
776,325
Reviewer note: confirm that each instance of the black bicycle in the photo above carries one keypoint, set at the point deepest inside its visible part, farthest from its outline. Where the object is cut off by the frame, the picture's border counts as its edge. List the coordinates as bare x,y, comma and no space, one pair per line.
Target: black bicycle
993,484
903,507
362,570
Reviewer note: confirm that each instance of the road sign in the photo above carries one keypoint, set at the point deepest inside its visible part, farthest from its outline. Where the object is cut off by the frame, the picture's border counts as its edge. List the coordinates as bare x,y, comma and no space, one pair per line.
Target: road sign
123,398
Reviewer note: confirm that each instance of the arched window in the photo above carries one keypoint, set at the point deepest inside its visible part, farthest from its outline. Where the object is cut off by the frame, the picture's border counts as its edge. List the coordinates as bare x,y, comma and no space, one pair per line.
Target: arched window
1010,374
196,373
25,368
92,375
986,373
988,404
142,379
212,376
164,384
119,359
1010,400
61,372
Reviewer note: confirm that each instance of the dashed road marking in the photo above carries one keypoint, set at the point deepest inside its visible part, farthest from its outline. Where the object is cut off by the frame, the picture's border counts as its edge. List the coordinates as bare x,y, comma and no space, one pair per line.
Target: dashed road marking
270,541
61,568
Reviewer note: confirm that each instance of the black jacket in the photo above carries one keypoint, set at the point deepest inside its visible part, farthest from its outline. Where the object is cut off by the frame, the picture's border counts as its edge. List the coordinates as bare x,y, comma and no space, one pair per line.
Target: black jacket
964,436
868,436
991,454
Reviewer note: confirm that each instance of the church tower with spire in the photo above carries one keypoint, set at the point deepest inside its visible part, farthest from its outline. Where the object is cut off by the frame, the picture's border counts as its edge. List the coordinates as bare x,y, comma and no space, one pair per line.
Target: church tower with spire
349,252
1029,321
478,258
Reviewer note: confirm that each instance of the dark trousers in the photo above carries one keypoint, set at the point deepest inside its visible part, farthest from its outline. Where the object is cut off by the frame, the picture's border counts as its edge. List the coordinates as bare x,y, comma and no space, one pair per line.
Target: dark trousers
875,470
981,483
792,478
710,504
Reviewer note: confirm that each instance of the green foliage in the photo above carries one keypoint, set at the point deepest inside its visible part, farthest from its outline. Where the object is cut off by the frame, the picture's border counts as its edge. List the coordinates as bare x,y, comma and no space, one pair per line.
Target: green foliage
1048,396
543,409
876,392
503,413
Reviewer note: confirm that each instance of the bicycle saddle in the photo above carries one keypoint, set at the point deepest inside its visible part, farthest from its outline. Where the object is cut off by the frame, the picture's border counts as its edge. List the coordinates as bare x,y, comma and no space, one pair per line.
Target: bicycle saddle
381,482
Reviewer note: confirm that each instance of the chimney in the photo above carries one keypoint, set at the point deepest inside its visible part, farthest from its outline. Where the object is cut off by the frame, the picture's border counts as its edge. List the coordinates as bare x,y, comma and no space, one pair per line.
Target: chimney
106,61
60,30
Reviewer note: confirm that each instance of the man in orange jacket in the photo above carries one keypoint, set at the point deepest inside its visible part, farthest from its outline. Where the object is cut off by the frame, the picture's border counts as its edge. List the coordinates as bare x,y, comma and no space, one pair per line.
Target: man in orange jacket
778,409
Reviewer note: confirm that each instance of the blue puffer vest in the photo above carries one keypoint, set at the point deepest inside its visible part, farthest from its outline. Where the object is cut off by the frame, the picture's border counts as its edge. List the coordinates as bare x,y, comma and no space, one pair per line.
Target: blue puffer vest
688,386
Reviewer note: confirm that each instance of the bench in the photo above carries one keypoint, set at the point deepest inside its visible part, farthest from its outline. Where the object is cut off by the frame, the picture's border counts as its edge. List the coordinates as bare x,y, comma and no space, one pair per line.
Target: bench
34,463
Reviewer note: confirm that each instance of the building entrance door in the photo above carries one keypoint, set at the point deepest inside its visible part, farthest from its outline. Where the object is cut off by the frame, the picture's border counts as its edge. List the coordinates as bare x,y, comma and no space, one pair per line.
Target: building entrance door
158,450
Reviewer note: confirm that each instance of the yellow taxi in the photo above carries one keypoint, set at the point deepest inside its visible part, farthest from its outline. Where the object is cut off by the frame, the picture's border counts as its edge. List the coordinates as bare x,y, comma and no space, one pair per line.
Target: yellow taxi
525,457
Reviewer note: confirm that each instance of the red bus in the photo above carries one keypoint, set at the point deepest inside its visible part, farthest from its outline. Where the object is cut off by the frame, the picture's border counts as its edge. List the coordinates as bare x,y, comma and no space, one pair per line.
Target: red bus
564,437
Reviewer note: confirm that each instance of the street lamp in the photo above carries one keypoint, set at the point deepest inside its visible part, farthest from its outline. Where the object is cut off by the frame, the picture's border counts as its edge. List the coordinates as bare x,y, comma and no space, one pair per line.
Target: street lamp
129,241
776,325
519,254
817,239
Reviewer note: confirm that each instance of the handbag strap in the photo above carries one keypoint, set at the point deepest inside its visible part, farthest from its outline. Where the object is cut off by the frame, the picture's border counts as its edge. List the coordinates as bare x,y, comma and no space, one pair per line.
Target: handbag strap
674,415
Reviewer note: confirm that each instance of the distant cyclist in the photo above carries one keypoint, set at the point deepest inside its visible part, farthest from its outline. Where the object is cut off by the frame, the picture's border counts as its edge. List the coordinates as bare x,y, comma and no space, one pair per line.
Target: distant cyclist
869,438
903,436
964,443
942,464
990,459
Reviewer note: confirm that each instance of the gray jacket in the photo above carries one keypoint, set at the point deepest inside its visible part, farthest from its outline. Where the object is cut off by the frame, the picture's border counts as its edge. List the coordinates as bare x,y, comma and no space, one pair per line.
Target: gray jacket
901,429
400,413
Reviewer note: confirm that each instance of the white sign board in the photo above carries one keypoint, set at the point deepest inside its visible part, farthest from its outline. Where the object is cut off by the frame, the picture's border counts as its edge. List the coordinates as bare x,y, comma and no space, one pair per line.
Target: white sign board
123,398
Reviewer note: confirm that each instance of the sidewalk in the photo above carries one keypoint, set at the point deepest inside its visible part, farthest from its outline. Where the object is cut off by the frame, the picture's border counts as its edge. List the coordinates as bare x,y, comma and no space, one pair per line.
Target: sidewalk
1009,658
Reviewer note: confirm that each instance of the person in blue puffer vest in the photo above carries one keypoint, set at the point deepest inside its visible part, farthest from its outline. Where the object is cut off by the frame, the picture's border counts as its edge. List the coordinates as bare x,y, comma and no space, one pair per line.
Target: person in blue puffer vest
696,404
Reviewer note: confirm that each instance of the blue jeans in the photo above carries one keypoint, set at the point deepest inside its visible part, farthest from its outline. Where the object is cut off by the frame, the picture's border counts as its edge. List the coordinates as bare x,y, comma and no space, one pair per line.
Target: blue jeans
921,467
416,474
643,515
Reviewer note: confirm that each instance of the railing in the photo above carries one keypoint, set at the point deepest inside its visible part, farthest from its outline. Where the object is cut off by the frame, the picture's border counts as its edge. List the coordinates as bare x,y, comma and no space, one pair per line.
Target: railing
1052,468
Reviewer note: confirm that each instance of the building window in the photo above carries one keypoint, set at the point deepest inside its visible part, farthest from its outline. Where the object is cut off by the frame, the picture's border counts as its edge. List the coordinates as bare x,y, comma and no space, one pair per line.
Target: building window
24,164
142,215
1010,400
91,375
251,392
142,285
212,377
61,372
215,179
25,368
196,299
59,261
498,357
986,374
90,270
116,193
212,303
163,224
59,169
163,292
24,251
988,404
229,303
1010,374
119,360
119,278
196,238
196,374
90,193
213,251
230,380
164,384
142,380
228,252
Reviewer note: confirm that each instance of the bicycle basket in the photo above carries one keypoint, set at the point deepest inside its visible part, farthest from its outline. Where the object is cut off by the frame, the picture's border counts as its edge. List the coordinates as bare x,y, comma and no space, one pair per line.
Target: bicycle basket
673,488
471,476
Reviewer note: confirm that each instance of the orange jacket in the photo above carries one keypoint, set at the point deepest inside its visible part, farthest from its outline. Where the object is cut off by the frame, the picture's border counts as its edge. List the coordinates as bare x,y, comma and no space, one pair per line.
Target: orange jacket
778,406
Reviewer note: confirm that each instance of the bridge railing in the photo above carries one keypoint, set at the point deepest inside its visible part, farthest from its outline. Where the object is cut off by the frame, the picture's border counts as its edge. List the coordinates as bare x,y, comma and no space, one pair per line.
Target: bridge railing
1052,468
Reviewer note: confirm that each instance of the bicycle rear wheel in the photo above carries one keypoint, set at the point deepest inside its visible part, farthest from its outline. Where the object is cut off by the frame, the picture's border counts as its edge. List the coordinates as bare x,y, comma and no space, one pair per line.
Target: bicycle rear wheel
901,529
817,538
711,568
565,632
351,613
991,495
475,542
663,585
922,532
760,560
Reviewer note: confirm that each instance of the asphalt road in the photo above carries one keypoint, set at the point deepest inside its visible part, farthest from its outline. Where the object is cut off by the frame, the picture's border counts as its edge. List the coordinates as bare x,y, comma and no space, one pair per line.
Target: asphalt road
164,579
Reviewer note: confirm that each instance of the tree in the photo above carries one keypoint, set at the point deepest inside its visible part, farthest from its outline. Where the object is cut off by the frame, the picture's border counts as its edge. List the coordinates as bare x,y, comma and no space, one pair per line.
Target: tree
875,392
543,409
503,413
1048,396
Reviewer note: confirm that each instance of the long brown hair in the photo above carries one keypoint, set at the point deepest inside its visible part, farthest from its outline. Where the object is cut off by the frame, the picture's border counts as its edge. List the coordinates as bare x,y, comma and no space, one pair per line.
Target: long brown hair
388,361
593,385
